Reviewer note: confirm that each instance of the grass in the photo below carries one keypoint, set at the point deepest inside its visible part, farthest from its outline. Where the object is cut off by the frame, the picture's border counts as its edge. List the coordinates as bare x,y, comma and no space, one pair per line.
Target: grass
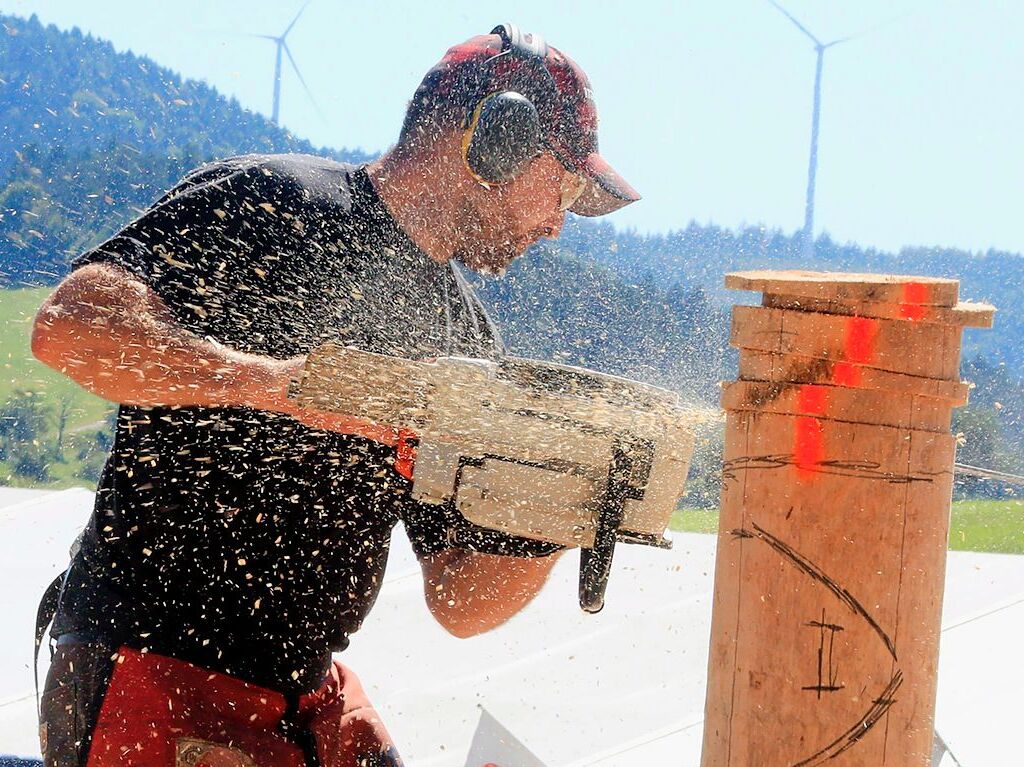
694,521
990,526
996,526
20,371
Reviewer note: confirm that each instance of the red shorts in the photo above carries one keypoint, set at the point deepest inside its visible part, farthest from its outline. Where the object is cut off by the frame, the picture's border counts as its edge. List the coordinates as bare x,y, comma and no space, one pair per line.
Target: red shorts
163,712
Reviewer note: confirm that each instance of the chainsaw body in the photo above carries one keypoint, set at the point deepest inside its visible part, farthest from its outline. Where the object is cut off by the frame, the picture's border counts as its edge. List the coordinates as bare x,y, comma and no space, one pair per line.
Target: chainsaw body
533,449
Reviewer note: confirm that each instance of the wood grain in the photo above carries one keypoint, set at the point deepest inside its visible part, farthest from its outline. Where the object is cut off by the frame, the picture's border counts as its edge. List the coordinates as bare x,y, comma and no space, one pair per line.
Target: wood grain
918,349
965,314
837,403
770,366
815,577
837,478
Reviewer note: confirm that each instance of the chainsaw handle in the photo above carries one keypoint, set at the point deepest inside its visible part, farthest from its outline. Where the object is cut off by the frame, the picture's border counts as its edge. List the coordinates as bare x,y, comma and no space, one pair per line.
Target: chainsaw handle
596,562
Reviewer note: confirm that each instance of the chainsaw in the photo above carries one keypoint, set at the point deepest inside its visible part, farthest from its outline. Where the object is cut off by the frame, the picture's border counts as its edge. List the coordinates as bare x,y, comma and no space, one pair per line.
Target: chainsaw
534,449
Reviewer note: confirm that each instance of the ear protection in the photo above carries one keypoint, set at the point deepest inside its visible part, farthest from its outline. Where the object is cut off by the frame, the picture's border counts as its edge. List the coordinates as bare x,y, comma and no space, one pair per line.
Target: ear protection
503,133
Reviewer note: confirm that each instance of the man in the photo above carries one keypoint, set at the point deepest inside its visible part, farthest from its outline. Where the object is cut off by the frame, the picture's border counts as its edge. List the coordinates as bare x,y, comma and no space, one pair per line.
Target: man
238,540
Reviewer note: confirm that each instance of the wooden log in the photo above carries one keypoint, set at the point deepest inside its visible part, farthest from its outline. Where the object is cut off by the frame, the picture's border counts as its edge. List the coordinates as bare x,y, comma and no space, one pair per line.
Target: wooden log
838,403
920,349
965,314
837,478
843,286
828,593
770,366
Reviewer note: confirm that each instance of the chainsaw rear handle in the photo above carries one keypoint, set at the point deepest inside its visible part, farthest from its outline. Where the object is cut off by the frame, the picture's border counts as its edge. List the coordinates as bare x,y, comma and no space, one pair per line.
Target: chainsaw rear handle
628,473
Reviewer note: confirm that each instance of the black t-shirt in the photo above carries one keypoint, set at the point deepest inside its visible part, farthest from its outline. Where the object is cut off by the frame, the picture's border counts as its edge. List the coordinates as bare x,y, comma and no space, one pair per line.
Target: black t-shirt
238,539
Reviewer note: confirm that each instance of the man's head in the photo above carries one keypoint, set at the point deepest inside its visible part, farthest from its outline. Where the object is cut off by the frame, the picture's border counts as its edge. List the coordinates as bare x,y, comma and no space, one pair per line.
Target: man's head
518,118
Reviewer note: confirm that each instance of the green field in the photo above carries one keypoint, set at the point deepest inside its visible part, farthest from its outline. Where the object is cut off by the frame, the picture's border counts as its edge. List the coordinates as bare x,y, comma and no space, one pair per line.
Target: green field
20,372
988,526
992,526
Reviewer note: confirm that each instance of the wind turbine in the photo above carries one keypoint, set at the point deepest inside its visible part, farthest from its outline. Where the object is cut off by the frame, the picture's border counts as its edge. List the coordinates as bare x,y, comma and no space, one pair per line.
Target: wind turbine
820,48
282,45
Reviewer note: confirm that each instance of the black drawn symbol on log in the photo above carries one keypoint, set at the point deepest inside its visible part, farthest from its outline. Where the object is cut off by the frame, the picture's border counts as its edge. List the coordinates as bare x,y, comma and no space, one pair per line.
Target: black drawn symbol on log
886,699
817,574
827,676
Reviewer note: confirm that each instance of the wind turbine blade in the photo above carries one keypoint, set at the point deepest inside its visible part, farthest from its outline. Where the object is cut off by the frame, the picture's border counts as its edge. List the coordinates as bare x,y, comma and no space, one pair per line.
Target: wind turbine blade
799,26
303,81
289,29
263,37
874,28
839,40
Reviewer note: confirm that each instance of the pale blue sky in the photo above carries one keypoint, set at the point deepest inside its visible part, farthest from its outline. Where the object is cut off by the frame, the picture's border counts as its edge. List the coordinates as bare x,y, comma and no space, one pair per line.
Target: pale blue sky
704,105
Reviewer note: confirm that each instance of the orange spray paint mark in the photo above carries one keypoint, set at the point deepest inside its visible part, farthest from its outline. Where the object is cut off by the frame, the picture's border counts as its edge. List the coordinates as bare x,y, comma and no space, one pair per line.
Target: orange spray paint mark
912,312
812,400
860,340
808,447
858,349
808,442
845,374
914,295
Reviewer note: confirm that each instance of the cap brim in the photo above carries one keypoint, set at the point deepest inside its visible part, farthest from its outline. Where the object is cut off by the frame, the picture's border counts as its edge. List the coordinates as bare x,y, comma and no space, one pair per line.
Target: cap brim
606,190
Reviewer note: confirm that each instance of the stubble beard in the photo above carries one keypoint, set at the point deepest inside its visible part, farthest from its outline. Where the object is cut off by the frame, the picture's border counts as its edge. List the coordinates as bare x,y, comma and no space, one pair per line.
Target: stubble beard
482,250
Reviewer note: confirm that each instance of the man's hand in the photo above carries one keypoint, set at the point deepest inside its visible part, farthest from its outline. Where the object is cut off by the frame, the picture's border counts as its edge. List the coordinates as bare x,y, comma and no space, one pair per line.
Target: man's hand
469,592
288,371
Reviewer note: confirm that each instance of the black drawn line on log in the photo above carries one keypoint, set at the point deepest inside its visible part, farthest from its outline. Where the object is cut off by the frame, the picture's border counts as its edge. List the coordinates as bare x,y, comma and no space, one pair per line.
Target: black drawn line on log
883,702
861,469
823,625
833,672
849,739
815,572
820,688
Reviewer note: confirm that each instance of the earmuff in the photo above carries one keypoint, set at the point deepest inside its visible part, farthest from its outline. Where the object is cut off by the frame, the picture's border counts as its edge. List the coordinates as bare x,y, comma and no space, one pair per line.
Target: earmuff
503,132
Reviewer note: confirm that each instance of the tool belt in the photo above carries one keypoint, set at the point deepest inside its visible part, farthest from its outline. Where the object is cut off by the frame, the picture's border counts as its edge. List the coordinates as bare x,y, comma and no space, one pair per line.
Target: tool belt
163,712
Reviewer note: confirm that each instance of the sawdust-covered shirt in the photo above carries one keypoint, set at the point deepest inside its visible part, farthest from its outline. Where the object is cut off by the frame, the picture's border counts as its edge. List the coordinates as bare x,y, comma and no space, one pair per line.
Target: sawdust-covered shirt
238,539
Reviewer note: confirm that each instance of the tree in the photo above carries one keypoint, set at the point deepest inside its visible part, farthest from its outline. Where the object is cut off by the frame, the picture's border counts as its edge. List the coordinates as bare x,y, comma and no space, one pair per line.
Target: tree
24,423
979,436
63,412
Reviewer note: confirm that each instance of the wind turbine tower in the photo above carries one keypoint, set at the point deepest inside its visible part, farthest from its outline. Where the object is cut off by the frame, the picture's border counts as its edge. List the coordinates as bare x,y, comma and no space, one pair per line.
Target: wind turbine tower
820,48
282,45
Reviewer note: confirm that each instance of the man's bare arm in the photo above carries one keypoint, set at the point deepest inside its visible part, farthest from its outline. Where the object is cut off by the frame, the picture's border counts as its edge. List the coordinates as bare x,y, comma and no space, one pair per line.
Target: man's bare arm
469,593
113,335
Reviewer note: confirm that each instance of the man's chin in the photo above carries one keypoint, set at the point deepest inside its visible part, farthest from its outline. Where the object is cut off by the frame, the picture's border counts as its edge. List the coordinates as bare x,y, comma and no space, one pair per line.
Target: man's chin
492,271
490,263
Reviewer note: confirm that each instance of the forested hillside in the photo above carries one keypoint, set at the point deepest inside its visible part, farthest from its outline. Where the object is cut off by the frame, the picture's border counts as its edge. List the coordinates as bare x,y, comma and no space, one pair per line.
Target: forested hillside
89,135
700,255
95,135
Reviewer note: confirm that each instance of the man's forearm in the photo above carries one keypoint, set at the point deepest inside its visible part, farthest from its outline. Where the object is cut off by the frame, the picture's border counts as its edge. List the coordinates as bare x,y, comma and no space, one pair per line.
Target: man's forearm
113,336
470,593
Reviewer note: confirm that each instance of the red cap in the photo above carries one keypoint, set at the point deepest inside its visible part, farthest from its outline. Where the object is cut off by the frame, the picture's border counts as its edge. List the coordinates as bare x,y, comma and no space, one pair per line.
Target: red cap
482,66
